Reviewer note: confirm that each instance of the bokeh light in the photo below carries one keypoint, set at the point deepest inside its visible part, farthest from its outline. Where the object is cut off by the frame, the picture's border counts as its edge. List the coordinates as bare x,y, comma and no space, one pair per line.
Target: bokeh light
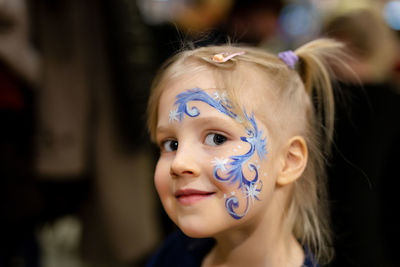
391,13
299,21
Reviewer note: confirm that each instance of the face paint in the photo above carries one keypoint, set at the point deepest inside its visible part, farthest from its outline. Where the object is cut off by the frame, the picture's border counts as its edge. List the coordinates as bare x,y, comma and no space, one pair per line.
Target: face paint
196,94
250,188
173,115
230,169
220,164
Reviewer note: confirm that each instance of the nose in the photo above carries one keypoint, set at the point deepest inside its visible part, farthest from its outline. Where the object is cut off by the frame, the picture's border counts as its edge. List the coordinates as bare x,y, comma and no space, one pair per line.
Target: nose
185,163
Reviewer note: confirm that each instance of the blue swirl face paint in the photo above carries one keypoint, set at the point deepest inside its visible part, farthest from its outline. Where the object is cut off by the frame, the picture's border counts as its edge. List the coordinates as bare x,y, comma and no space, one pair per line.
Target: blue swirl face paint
233,174
196,94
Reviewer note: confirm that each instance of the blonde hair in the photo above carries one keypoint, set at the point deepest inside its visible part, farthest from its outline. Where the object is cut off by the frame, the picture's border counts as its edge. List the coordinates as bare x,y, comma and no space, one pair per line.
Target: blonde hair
295,92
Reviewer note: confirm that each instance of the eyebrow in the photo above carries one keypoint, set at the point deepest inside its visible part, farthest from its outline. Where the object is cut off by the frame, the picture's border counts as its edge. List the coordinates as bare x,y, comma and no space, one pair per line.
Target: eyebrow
162,129
216,121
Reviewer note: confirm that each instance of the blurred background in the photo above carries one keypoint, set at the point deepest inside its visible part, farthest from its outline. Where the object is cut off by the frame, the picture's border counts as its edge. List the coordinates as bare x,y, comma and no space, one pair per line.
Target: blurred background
76,163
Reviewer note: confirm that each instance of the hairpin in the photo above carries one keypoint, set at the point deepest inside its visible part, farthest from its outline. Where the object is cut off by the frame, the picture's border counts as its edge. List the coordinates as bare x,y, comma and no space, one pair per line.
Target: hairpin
289,57
224,57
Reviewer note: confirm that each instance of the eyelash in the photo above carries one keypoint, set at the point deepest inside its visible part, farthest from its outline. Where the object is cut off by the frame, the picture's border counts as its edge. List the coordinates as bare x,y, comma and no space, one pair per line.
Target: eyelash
211,139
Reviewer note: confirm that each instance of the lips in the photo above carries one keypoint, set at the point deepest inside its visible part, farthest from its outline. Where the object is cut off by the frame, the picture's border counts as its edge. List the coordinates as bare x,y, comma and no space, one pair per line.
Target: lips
191,196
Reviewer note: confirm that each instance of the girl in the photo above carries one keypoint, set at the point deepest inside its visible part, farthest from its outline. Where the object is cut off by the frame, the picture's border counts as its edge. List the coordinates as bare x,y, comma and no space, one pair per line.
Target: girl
241,169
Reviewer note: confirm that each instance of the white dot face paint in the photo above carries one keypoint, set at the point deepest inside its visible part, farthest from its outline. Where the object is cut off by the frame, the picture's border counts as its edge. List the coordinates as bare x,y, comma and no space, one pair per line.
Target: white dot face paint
220,164
173,115
207,186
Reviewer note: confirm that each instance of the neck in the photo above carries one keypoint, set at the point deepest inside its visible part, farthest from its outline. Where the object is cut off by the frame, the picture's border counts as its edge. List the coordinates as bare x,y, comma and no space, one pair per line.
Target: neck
263,242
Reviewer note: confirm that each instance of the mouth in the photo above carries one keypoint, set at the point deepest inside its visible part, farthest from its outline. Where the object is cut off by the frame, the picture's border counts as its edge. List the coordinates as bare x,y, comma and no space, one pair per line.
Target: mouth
191,196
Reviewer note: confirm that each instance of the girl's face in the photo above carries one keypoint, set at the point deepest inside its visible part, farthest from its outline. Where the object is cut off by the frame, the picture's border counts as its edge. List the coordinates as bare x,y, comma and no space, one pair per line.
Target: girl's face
213,174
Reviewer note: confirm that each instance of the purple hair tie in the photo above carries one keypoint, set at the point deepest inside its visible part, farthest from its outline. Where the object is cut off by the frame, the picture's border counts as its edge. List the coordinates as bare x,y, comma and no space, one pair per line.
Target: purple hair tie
289,57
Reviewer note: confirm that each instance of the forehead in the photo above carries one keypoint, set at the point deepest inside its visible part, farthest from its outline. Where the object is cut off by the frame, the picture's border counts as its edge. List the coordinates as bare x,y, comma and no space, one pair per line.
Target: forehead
204,80
247,89
244,83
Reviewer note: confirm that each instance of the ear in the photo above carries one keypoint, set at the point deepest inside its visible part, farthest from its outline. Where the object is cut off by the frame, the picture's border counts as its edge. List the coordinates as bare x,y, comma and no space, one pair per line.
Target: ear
294,160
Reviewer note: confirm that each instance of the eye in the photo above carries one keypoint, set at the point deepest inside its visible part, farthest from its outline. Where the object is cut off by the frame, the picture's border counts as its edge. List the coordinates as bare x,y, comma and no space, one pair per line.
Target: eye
214,139
170,145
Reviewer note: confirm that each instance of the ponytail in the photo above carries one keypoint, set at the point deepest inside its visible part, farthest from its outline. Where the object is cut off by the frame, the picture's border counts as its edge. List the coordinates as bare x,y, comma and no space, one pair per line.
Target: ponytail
317,61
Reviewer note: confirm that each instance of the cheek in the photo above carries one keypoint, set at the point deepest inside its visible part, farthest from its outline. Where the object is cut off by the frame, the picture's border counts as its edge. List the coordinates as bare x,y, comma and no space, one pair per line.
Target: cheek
220,165
243,178
228,173
161,180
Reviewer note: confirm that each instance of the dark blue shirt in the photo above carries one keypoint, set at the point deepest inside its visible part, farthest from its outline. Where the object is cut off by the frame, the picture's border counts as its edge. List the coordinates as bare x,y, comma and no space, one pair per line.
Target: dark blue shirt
180,250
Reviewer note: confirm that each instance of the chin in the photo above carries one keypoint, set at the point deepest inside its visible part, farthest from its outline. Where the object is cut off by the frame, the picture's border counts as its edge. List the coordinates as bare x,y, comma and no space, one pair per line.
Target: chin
197,229
196,233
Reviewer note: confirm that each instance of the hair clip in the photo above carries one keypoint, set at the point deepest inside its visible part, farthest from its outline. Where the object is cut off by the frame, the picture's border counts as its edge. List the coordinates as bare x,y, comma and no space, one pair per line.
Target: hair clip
289,57
224,57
